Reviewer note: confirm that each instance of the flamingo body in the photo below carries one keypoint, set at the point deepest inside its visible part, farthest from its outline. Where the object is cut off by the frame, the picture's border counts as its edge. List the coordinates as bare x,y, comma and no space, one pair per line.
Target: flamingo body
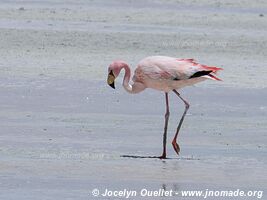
165,74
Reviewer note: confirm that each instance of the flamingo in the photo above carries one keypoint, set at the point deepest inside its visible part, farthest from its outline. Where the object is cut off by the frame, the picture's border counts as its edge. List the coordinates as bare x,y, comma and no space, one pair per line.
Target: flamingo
165,74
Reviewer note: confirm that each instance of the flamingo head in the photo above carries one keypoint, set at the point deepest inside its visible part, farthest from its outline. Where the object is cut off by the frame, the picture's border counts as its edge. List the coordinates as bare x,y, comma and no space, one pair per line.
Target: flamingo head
113,72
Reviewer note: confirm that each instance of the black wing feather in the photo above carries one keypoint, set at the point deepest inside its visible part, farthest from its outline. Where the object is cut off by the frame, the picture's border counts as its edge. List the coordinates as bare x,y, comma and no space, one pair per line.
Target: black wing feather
200,73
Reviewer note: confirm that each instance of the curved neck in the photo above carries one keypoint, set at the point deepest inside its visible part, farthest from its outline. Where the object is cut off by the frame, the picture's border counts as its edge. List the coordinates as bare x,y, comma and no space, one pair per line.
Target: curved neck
136,87
126,78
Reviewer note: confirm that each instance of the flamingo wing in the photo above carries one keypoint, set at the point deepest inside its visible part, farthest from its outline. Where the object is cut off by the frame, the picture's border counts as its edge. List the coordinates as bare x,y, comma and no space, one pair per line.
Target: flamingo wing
168,68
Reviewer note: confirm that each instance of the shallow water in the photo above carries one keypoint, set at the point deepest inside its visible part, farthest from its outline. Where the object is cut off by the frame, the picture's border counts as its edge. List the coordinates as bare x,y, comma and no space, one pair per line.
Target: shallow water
64,144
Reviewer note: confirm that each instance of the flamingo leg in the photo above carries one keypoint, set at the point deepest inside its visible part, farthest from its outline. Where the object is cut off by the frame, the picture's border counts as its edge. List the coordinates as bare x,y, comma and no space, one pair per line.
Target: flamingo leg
167,114
174,143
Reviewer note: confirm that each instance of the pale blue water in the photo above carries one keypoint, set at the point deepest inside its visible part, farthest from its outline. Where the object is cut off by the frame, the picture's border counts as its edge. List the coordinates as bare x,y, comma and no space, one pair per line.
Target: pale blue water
63,138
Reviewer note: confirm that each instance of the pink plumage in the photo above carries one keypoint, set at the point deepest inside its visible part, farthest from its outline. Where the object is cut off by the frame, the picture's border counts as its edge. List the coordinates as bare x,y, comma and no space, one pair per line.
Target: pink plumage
165,74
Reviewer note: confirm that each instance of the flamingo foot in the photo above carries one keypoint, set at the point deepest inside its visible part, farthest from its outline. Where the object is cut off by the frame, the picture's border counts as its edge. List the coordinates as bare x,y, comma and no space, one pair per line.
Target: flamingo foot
163,156
176,147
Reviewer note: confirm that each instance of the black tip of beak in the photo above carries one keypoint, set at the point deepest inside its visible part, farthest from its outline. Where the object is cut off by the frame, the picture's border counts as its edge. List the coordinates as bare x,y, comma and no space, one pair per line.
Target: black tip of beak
112,85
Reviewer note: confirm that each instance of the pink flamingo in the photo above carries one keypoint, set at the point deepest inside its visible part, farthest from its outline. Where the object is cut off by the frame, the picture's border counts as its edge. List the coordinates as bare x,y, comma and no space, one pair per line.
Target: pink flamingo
165,74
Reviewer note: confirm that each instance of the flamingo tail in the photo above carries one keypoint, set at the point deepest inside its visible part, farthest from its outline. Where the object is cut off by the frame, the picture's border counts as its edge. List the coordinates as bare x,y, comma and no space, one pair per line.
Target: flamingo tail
214,71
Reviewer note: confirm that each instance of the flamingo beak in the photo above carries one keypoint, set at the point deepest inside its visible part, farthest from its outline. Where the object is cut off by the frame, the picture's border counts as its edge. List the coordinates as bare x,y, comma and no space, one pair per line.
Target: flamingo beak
111,80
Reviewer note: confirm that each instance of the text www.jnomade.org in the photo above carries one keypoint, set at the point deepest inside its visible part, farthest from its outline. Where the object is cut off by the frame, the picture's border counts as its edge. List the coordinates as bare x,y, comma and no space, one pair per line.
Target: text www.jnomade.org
126,193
